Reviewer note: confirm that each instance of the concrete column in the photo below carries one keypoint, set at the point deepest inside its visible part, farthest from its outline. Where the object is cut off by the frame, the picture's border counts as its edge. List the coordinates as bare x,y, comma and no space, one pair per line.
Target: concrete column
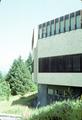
42,95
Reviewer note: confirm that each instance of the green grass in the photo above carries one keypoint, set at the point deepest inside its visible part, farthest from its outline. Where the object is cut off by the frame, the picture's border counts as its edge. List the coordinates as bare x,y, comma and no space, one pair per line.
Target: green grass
18,105
65,110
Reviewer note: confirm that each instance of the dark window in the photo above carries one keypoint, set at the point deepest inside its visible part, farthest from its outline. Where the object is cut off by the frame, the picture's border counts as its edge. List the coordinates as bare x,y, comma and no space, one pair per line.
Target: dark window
60,64
41,65
53,64
68,63
44,65
76,63
77,13
81,63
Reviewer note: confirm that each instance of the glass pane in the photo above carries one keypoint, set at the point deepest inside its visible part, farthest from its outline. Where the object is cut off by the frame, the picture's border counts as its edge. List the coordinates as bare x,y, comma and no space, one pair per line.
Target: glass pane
67,25
40,33
68,63
80,63
50,91
60,64
78,21
52,29
72,23
44,32
76,63
57,27
48,30
61,26
53,65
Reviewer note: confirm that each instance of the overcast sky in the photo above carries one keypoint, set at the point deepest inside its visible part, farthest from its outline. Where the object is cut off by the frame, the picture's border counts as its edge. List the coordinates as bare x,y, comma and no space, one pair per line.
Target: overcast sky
17,20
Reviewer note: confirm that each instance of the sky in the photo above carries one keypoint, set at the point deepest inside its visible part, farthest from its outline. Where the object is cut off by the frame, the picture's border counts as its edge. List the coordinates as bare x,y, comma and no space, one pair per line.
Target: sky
17,20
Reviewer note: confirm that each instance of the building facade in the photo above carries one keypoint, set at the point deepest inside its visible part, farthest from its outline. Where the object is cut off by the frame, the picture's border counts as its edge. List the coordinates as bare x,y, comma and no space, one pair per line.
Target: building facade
58,58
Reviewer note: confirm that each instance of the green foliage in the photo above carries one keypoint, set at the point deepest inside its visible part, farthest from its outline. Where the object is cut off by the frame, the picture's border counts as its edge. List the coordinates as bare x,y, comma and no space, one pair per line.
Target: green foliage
19,78
29,63
1,76
66,110
4,90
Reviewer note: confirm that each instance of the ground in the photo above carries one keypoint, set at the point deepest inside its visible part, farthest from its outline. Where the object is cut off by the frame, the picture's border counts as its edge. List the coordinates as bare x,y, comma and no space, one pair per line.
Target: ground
18,105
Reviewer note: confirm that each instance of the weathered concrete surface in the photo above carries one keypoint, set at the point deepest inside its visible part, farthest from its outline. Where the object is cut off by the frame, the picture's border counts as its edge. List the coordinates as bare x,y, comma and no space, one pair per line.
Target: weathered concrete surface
9,117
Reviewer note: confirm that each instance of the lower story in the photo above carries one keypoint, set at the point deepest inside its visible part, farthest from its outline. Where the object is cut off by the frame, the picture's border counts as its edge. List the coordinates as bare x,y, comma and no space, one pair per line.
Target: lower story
50,93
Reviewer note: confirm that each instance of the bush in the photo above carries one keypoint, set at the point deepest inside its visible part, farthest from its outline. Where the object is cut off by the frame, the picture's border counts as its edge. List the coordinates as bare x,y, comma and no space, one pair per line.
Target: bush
66,110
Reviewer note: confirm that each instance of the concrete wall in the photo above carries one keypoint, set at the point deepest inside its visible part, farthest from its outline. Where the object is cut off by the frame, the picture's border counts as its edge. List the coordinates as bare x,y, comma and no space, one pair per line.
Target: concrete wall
42,95
35,66
64,79
61,44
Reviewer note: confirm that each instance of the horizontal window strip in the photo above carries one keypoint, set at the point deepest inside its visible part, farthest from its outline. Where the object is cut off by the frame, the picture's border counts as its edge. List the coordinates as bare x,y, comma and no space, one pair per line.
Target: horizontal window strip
68,63
60,25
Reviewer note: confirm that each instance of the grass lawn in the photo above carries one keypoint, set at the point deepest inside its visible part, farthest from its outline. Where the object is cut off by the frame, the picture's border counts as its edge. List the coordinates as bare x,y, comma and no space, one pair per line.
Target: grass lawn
18,105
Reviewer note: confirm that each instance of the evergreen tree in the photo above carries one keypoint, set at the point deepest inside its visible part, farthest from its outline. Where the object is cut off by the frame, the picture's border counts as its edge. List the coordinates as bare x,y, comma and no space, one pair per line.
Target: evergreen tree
1,76
4,88
29,63
19,78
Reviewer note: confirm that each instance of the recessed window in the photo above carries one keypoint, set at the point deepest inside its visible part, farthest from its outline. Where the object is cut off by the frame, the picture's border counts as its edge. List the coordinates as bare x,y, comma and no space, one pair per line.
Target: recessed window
57,26
44,31
67,23
78,21
61,25
68,63
60,64
72,21
44,65
48,29
76,63
53,64
40,32
52,27
50,91
60,92
81,63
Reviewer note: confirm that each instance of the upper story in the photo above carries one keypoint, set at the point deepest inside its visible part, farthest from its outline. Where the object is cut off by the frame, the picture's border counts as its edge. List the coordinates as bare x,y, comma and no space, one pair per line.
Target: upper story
59,25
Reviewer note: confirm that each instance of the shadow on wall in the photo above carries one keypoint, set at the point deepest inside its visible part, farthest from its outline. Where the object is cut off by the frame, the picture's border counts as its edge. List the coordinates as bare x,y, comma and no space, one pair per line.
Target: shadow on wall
30,101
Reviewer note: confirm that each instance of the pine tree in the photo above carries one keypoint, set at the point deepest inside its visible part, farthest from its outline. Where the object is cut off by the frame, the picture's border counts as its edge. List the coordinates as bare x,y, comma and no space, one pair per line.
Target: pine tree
29,63
19,77
1,76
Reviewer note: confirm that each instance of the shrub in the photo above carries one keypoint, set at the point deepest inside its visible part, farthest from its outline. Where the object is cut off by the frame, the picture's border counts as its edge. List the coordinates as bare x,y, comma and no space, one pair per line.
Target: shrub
66,110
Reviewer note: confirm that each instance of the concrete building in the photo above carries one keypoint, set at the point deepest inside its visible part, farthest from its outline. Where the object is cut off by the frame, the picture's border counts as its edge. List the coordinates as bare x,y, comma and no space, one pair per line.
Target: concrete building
58,58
